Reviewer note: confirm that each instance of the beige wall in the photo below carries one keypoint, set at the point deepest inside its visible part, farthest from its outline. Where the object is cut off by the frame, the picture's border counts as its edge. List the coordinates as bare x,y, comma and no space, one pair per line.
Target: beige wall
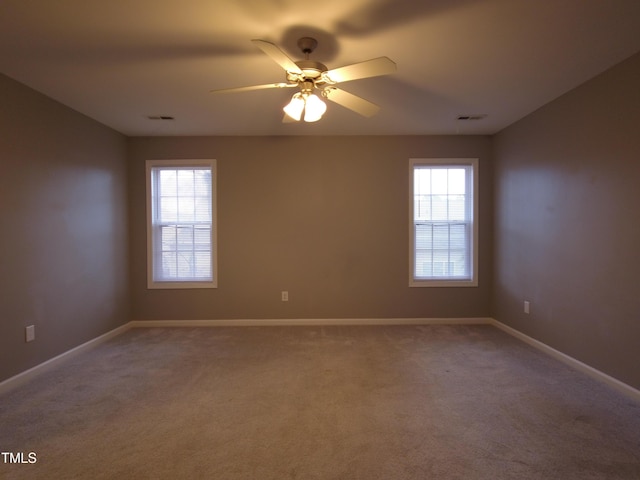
63,236
324,218
567,229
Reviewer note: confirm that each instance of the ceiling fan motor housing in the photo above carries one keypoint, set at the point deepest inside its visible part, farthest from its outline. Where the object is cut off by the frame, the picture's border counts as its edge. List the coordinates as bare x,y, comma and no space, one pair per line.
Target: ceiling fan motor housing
310,69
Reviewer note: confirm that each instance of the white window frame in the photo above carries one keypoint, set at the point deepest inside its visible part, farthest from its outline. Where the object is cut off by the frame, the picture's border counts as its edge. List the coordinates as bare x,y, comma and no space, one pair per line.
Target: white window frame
151,232
472,280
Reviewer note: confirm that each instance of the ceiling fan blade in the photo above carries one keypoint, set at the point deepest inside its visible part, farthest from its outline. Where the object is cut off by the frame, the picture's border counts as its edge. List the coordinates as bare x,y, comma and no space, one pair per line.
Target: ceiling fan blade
368,68
277,55
254,87
351,101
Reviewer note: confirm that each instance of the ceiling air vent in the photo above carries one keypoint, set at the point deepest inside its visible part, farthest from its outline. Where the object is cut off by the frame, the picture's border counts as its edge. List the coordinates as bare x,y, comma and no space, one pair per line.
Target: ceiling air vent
475,116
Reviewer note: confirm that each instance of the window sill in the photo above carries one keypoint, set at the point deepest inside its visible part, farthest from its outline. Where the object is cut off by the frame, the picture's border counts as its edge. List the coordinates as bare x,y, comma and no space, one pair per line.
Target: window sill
443,283
180,285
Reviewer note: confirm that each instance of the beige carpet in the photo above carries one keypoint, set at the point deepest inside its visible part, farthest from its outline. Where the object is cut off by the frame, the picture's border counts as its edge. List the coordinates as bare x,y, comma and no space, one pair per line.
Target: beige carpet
338,402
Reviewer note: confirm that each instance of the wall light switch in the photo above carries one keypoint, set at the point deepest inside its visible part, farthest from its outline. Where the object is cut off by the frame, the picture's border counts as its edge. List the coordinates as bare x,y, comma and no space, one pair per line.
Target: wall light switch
30,333
285,296
526,306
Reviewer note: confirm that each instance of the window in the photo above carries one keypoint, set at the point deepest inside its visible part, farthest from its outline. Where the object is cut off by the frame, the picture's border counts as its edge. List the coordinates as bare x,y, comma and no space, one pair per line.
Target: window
181,229
443,209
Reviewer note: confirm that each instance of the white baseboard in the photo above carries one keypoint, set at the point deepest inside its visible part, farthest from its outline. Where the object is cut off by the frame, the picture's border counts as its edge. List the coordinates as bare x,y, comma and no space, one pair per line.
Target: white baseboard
616,384
309,321
27,375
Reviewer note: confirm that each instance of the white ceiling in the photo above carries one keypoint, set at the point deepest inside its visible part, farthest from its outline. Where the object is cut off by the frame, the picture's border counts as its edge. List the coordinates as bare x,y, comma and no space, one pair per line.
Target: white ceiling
120,61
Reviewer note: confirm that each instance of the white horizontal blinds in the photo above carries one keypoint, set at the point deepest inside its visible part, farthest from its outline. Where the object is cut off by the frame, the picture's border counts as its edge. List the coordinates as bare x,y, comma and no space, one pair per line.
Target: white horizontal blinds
182,223
443,217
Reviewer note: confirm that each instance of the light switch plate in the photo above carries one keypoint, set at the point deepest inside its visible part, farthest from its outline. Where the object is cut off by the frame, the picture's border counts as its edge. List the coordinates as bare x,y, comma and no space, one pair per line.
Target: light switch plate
30,333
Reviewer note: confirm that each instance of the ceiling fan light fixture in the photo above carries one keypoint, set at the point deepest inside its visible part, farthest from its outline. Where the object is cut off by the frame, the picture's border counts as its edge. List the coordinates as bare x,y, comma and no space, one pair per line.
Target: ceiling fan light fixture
308,103
314,108
295,107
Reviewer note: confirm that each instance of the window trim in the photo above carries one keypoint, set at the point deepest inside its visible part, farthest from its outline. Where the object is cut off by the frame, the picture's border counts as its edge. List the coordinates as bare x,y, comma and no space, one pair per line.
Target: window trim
187,284
448,162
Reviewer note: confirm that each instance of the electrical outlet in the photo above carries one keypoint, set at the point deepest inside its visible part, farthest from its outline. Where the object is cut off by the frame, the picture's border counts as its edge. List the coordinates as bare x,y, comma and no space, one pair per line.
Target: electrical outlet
527,307
30,333
285,296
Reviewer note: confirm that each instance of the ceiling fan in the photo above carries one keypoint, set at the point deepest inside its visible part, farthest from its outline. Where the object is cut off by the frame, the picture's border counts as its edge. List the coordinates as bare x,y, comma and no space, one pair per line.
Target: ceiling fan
309,76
